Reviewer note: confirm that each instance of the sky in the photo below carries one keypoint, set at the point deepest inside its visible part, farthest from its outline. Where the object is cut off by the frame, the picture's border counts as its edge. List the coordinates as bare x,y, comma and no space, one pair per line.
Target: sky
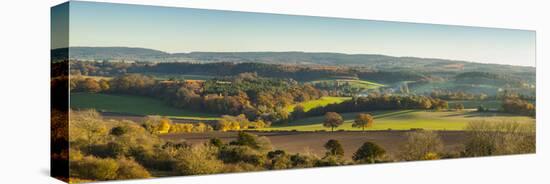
176,30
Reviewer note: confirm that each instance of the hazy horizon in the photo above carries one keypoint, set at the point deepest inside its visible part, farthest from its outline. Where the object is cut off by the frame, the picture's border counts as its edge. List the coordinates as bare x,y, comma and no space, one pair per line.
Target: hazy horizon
184,30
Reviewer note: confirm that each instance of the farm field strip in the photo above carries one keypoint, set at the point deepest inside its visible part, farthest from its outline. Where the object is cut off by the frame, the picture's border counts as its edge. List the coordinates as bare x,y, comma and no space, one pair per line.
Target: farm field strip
136,105
406,120
353,82
323,101
312,142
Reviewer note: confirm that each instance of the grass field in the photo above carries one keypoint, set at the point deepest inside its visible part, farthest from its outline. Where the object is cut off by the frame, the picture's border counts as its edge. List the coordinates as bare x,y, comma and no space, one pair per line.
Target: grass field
136,105
161,76
323,101
405,120
362,84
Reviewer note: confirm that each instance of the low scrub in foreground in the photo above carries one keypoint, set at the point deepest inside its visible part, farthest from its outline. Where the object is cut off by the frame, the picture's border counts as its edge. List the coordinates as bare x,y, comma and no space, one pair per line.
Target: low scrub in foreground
108,150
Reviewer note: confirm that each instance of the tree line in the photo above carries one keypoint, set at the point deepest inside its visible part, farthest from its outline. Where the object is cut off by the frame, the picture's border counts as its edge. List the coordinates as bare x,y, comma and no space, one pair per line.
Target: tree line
375,103
297,72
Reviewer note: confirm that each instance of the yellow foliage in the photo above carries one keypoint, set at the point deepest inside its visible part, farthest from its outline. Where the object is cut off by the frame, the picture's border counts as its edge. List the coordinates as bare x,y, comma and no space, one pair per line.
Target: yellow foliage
431,156
181,127
235,125
164,126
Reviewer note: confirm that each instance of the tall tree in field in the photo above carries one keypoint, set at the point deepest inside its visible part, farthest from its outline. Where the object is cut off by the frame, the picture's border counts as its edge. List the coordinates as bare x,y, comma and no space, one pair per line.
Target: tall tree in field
363,121
333,120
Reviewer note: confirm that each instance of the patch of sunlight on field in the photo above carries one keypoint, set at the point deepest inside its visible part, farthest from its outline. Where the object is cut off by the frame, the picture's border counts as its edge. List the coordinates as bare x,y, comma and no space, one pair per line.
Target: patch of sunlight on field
323,101
353,83
406,120
136,105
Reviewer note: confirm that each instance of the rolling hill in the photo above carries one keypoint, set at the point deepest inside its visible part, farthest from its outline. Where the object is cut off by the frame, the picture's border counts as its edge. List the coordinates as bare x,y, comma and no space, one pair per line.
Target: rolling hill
373,61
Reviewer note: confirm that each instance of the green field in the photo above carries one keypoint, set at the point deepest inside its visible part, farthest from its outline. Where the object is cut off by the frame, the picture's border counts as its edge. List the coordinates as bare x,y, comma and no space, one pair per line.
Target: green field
405,120
162,76
360,84
136,105
323,101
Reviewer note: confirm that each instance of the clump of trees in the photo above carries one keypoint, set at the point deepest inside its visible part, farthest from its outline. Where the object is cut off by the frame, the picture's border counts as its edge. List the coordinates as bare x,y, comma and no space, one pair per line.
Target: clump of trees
163,125
255,97
240,122
90,85
457,95
103,150
368,153
518,106
383,102
334,154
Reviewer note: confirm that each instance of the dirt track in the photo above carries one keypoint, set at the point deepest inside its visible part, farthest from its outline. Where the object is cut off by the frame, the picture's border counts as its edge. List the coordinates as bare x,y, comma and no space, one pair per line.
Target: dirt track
313,141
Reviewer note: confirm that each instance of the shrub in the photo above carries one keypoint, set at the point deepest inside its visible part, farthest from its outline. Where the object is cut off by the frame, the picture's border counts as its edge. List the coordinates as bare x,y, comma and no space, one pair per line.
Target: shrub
181,127
330,160
130,169
236,154
216,142
368,153
241,167
431,156
420,143
279,159
334,148
118,131
95,168
499,138
198,160
303,160
252,141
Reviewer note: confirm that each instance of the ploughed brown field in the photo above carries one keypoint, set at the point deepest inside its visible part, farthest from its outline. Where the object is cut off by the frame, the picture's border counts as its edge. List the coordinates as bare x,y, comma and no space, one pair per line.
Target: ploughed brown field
300,142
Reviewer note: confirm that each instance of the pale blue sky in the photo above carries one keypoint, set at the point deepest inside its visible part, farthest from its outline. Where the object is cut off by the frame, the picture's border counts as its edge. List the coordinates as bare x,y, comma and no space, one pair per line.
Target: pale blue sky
186,30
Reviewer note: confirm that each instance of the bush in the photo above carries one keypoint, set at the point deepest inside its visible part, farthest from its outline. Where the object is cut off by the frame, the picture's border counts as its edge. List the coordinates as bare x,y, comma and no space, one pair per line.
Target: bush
252,141
118,131
130,169
330,160
499,138
368,153
241,167
216,142
431,156
279,159
198,160
334,148
94,168
303,160
236,154
419,144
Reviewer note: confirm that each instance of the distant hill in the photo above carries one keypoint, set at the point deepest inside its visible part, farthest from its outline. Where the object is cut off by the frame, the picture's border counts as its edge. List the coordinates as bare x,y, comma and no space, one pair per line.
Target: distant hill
373,61
115,53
